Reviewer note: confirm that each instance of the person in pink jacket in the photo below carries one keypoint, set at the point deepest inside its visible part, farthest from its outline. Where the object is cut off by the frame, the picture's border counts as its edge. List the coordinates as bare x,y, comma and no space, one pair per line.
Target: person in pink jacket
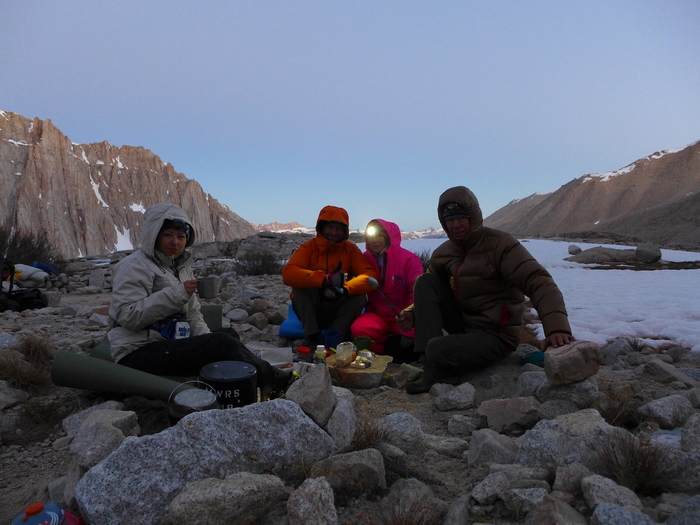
398,269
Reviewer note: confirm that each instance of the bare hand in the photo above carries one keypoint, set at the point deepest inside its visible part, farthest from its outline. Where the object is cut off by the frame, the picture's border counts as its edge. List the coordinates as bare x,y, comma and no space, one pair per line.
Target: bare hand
190,286
405,320
556,340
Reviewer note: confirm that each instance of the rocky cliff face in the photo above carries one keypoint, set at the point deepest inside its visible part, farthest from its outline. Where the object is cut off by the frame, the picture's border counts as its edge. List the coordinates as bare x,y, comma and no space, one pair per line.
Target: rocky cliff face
654,199
89,199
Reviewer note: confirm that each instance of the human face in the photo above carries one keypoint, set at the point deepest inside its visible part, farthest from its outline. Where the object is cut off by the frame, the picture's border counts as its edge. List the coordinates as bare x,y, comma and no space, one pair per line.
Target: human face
334,232
376,244
457,228
373,240
171,242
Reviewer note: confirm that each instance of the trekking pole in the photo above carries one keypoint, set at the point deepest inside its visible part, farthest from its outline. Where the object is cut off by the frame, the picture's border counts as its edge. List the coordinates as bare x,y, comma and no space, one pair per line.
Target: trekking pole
375,286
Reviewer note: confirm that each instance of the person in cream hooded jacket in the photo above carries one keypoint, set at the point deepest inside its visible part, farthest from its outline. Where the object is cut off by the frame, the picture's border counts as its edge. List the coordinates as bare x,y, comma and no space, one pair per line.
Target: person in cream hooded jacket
156,283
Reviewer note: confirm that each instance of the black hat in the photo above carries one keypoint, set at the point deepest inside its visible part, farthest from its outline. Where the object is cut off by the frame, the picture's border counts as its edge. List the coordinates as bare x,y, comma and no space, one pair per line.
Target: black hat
453,210
178,224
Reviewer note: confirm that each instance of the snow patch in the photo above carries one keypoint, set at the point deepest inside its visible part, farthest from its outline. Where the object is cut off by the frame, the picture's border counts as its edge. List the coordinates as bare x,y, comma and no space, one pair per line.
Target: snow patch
18,143
625,303
123,240
96,189
137,208
604,177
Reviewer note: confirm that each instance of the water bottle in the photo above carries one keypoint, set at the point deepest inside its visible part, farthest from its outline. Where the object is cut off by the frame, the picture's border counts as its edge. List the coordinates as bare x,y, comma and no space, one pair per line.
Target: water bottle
320,354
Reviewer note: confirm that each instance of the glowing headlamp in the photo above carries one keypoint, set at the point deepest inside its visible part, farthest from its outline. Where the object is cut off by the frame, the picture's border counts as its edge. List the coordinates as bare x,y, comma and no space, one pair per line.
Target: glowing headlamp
372,231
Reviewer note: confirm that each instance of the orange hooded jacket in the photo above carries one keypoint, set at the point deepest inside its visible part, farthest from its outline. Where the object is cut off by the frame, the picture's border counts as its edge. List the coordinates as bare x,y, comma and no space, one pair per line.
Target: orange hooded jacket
310,263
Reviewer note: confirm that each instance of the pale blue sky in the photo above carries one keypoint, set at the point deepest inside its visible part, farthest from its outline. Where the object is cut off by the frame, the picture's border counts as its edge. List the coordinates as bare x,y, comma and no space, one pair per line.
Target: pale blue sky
279,108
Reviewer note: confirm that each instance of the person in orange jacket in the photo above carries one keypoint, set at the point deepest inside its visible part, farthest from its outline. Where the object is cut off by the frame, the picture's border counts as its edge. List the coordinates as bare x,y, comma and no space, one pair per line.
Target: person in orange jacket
329,277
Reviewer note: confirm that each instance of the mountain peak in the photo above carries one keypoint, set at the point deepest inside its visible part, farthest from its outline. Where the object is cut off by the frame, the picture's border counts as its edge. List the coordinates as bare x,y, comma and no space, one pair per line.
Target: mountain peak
653,199
89,199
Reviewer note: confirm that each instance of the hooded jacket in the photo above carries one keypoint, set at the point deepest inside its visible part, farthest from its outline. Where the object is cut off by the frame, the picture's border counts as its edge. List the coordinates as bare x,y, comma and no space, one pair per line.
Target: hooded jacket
491,271
317,257
399,271
147,286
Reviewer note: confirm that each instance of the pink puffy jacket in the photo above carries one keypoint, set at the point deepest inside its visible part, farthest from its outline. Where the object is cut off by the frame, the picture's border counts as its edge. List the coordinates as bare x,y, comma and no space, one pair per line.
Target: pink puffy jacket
396,278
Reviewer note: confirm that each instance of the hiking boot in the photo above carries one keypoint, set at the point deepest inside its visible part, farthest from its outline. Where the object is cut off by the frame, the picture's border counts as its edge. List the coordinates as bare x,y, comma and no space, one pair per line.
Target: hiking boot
418,387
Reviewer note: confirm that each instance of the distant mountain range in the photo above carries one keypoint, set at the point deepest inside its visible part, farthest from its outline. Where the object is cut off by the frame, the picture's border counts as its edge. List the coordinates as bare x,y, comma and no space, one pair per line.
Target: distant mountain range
295,227
654,199
89,199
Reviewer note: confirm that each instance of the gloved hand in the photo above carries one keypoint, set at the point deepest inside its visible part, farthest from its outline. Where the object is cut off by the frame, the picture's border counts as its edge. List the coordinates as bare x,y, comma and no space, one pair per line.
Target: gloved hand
335,279
333,282
333,292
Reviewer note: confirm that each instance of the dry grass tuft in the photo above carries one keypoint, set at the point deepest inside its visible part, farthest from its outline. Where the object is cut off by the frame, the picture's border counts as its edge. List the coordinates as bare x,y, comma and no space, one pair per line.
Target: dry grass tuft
641,467
39,417
618,408
258,262
412,512
36,351
32,372
367,433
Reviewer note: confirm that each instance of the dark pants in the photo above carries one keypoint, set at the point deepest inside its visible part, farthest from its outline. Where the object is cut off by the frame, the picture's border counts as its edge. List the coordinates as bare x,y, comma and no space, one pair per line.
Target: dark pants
317,313
449,357
186,357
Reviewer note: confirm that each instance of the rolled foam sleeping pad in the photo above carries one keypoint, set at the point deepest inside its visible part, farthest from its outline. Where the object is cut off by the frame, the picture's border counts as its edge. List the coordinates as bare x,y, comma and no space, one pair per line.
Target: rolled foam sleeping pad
98,375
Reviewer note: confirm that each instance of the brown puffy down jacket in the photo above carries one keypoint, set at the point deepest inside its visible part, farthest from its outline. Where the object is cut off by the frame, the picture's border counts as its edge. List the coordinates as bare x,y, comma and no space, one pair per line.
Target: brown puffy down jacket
491,273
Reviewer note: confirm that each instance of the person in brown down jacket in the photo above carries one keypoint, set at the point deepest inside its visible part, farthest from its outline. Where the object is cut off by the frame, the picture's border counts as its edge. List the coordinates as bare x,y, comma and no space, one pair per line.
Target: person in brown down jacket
475,290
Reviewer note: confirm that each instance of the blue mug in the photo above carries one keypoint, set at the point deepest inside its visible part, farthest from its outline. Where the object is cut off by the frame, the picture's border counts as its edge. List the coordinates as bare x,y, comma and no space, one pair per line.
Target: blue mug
331,338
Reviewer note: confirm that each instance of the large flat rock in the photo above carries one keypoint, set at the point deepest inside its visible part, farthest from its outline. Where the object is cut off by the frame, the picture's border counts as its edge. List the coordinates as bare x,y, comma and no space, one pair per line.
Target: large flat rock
351,377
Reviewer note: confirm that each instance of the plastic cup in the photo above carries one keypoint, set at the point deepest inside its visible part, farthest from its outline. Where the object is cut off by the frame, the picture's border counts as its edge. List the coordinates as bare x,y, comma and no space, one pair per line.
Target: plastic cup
331,338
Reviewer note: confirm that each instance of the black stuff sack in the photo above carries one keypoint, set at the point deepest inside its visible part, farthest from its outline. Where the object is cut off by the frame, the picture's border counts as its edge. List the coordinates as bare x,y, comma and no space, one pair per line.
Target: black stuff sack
19,299
28,299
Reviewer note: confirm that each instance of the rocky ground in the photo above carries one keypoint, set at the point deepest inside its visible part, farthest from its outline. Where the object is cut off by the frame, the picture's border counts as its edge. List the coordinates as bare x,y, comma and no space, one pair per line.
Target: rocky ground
34,450
34,456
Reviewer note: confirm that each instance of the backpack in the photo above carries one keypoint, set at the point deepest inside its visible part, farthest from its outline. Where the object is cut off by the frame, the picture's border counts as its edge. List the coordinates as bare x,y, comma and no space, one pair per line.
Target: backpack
19,299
